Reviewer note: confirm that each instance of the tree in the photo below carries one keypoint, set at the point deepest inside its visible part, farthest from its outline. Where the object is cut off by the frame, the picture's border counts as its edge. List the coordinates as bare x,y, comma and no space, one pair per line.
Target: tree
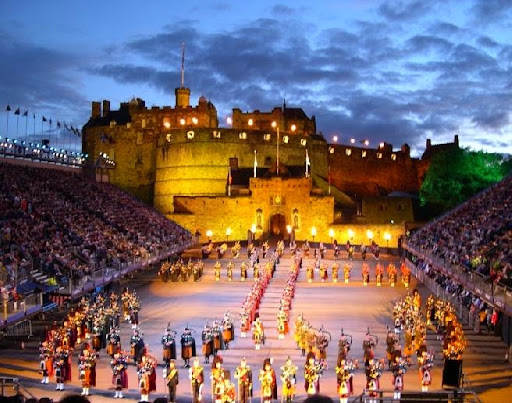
457,174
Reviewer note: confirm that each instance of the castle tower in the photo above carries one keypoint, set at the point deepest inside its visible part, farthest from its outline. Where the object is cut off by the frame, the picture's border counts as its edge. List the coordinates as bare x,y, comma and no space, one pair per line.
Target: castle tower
182,93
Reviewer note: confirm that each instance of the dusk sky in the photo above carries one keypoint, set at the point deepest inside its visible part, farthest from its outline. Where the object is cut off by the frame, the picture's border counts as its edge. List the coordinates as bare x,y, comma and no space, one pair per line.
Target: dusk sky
394,71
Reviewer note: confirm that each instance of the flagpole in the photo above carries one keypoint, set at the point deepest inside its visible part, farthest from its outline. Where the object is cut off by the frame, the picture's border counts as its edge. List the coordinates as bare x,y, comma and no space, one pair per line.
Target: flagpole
17,121
34,127
26,126
7,110
277,158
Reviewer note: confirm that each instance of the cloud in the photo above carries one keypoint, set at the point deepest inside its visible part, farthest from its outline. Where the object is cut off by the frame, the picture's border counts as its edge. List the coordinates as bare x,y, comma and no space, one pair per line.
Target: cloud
370,81
487,11
405,10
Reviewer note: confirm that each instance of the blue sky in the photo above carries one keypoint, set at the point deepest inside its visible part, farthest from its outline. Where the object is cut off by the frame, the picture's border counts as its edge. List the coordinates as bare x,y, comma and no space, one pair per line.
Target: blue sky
395,71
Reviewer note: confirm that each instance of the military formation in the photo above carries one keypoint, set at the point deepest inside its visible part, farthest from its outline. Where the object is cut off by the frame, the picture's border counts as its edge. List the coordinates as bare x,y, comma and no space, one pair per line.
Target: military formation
95,325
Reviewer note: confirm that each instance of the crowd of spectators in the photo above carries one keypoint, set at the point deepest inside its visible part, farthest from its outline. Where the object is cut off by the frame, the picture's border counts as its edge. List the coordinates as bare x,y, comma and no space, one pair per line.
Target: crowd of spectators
476,236
66,226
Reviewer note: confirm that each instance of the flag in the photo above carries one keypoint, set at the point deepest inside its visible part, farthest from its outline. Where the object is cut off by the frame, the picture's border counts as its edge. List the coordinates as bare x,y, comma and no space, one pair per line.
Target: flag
58,123
34,116
8,109
17,111
255,163
26,113
66,126
44,119
50,121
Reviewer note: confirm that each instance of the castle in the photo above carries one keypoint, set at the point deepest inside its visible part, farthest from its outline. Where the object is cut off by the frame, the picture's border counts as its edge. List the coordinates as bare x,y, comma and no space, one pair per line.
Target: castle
262,174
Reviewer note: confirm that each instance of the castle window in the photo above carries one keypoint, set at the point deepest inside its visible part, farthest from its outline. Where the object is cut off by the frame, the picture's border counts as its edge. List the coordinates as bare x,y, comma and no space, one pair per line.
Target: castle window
393,157
242,135
331,150
216,134
400,207
128,125
143,123
363,154
190,134
303,142
285,139
250,122
113,123
348,151
168,137
382,207
166,123
268,160
379,155
266,137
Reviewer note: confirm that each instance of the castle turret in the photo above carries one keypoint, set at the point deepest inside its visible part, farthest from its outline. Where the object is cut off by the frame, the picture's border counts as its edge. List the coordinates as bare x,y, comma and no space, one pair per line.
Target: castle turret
182,97
106,107
96,110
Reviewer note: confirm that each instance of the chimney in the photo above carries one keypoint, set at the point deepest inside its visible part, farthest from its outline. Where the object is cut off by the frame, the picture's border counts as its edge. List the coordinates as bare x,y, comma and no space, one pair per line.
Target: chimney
106,107
456,140
96,110
429,144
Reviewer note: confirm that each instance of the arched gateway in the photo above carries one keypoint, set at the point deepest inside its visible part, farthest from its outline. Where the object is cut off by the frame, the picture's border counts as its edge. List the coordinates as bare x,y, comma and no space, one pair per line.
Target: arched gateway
277,225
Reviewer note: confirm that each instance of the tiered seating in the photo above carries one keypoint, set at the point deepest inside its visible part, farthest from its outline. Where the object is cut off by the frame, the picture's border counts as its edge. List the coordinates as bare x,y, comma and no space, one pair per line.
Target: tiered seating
56,226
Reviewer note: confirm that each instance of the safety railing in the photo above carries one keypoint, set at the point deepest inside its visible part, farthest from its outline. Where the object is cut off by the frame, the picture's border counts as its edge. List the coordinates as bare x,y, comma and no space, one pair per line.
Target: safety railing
384,396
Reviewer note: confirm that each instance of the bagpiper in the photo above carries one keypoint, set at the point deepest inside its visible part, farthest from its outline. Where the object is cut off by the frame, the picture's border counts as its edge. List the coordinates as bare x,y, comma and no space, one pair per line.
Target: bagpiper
310,273
399,367
228,329
62,367
366,273
136,346
119,374
425,363
114,342
196,375
243,271
87,371
218,342
312,372
267,378
289,379
373,374
207,339
243,374
344,379
172,380
147,376
188,347
406,274
323,271
282,323
379,272
218,377
346,270
229,269
46,361
258,334
392,274
335,268
216,270
169,344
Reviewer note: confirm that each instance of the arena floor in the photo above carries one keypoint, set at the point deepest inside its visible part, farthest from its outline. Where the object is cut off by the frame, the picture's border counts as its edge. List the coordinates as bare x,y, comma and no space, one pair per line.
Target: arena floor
353,307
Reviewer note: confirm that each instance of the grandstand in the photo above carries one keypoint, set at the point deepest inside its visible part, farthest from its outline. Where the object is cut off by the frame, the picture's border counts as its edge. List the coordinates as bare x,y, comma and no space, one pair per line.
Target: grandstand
64,233
466,254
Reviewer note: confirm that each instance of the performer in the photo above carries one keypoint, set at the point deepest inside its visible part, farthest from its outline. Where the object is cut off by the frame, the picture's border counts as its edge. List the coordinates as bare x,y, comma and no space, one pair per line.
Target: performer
344,379
62,367
114,342
323,271
267,378
312,372
373,374
119,374
228,329
258,334
399,367
218,377
335,272
344,345
196,375
310,273
243,374
216,269
369,343
87,371
425,363
256,271
336,249
168,345
282,323
243,271
346,270
264,249
392,274
229,269
289,379
136,346
218,342
172,380
207,338
188,347
379,272
366,273
363,251
147,376
46,361
406,274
